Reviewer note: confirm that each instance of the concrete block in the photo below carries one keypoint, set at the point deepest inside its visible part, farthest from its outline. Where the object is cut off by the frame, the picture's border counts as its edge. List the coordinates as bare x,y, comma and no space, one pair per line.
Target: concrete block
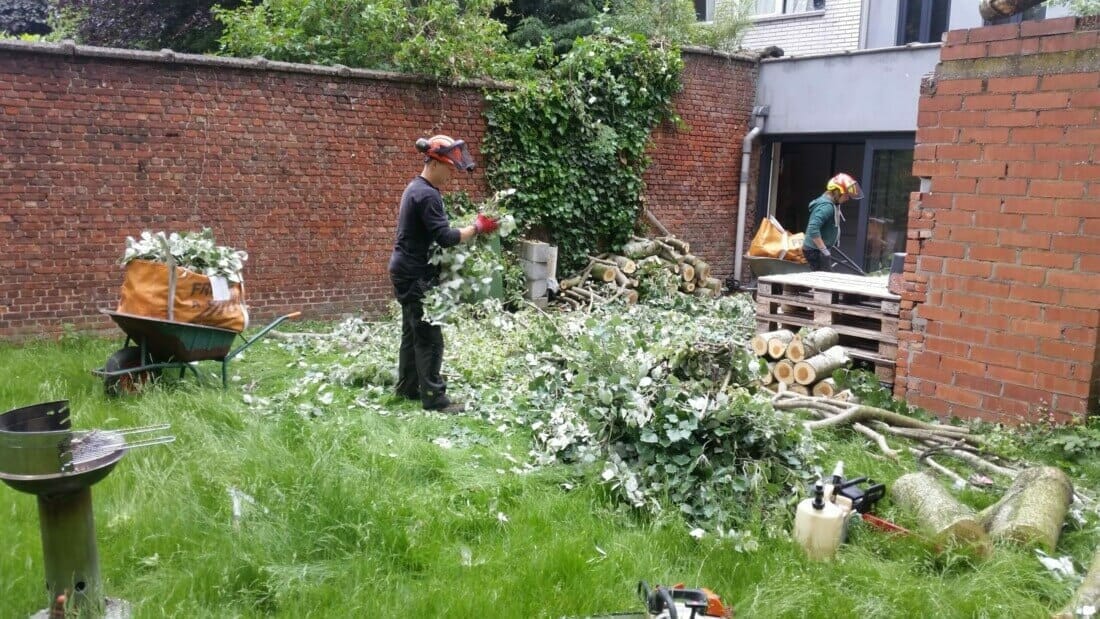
534,270
534,251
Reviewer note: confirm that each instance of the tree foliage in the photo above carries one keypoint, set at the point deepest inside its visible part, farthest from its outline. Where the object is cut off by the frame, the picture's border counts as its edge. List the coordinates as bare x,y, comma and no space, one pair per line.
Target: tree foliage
1080,7
442,38
573,143
183,25
24,17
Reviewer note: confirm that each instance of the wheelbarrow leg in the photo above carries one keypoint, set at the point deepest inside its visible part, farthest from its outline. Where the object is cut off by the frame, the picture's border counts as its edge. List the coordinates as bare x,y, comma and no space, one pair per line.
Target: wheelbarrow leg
225,374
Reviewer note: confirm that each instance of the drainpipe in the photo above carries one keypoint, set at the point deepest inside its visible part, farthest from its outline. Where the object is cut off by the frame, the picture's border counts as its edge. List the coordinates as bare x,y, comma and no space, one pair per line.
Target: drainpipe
759,113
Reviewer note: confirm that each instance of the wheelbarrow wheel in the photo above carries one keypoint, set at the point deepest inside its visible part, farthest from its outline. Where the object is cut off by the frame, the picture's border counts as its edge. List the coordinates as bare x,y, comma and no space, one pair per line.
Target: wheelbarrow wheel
131,382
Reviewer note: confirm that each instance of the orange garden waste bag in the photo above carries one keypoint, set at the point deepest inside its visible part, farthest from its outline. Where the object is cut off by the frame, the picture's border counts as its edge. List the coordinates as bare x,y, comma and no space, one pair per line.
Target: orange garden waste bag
197,299
773,241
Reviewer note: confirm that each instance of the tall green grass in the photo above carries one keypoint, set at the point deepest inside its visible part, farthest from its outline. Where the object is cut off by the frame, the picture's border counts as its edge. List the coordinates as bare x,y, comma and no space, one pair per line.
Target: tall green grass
361,514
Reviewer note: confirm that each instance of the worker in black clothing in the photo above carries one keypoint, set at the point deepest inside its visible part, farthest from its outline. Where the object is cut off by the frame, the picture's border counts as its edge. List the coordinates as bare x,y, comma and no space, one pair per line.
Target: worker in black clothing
823,229
421,223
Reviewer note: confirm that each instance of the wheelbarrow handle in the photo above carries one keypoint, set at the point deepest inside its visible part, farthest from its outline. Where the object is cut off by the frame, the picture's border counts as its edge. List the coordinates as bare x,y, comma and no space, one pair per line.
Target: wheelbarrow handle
248,342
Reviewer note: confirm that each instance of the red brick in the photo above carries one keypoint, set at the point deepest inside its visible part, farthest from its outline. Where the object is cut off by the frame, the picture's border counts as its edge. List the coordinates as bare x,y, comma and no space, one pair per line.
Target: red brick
1012,152
963,52
1041,100
1012,376
960,87
1081,172
961,119
993,254
1090,264
978,384
1023,292
1059,384
1069,42
1026,394
940,103
1038,328
936,135
1019,274
995,33
1048,259
983,135
955,37
1075,244
999,221
962,301
987,102
963,366
1067,351
1043,27
1076,208
1003,186
958,151
1085,98
1071,81
946,347
1071,154
960,396
1070,316
1045,135
1061,225
981,236
1084,281
1022,343
933,168
944,249
1032,363
1083,136
1013,119
978,169
1004,48
1067,118
1012,84
1056,189
1034,169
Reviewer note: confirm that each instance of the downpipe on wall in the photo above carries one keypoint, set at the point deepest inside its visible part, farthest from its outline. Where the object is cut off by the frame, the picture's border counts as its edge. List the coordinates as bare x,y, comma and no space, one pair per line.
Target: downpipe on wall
759,115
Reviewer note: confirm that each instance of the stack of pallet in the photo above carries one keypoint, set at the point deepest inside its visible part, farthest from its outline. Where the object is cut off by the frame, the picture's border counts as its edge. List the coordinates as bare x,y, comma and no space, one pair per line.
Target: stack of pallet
861,309
804,362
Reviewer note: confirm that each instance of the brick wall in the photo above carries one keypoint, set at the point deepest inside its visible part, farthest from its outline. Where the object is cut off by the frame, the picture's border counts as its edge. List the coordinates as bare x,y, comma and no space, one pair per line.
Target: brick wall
301,166
692,183
1002,301
835,29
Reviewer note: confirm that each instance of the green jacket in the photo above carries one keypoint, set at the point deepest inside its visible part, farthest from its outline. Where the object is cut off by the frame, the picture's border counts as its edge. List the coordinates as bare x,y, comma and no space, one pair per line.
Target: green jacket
822,222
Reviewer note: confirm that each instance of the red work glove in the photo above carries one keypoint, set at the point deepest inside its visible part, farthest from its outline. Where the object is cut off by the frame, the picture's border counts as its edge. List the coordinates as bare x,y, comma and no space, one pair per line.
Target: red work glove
485,224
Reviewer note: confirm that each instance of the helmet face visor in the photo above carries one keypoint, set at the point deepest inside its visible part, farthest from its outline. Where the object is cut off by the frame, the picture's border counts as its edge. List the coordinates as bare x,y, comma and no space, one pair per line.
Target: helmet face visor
457,155
854,191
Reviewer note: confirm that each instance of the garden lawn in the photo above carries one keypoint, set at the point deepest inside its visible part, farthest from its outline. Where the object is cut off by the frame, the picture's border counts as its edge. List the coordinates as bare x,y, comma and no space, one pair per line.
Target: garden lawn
367,506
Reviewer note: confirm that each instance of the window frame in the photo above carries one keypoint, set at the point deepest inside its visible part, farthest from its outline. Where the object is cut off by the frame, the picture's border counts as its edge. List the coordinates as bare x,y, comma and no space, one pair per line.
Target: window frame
708,10
814,5
924,30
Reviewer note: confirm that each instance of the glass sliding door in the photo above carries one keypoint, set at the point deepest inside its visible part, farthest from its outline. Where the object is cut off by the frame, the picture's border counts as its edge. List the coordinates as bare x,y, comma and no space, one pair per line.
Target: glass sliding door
884,213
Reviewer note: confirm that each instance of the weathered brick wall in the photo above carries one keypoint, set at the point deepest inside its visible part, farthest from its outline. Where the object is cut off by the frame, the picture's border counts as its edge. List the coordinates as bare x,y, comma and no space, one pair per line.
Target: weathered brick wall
1002,301
301,166
693,180
831,30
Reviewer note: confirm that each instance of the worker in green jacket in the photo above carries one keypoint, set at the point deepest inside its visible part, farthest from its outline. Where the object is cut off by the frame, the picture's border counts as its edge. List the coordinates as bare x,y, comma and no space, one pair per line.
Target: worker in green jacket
823,230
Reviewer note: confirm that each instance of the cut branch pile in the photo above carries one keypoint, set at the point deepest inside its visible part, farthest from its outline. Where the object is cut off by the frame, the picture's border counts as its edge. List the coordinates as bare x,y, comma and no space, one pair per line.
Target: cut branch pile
802,364
610,277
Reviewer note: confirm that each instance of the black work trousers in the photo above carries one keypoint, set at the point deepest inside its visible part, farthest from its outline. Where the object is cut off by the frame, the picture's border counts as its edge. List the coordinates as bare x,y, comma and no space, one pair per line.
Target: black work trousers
421,355
818,261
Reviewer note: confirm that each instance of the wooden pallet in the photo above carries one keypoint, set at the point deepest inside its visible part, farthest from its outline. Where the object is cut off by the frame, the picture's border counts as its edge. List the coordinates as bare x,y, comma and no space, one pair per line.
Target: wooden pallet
861,310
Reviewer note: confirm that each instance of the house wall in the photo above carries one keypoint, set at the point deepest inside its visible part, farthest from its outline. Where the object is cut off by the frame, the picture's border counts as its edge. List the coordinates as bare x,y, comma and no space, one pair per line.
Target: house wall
879,93
302,166
1001,311
882,30
834,29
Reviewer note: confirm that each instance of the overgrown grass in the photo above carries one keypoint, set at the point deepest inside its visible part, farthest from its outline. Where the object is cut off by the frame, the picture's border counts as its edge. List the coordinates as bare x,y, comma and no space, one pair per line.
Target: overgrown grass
361,512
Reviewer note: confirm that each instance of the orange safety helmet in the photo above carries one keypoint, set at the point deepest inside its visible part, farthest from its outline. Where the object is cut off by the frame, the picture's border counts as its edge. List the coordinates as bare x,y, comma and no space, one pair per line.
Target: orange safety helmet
447,150
845,185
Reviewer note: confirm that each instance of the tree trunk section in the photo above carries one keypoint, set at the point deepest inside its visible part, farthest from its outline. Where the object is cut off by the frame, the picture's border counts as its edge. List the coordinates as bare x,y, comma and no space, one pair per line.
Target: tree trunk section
1088,594
939,512
820,367
777,342
1033,509
993,9
760,342
603,272
641,249
826,388
813,343
784,372
799,389
626,265
687,272
769,375
688,287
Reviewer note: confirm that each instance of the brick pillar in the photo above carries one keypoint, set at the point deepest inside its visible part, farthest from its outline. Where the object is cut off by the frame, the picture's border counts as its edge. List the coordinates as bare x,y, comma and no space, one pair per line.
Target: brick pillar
1001,314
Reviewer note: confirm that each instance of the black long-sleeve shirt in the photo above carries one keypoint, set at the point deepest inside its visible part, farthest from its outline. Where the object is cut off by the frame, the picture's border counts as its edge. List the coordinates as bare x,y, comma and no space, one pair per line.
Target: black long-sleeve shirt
421,222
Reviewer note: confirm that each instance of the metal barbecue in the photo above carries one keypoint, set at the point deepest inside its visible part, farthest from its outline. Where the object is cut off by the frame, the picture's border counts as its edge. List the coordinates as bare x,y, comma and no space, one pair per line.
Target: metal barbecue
41,454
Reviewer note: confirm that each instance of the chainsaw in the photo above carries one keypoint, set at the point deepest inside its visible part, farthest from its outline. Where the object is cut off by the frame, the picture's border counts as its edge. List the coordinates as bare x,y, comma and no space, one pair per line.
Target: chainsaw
676,603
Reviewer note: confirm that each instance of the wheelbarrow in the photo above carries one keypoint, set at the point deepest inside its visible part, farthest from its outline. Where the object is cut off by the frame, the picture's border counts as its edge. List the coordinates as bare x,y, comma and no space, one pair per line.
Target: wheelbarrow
153,345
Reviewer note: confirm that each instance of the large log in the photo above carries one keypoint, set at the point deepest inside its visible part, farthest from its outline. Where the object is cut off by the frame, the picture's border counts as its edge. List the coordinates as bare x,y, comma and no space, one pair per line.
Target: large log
687,273
626,265
1087,595
821,366
603,272
799,389
993,9
1033,509
938,512
760,342
769,376
688,287
815,342
642,248
784,372
826,388
679,245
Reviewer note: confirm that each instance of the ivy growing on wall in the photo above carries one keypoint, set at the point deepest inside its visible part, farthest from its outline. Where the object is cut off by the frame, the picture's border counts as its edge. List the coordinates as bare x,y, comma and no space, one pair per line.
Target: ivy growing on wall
573,142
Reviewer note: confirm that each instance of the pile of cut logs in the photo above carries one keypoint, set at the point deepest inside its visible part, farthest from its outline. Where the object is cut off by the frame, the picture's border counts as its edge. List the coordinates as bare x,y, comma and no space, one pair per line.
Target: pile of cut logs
609,277
802,363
